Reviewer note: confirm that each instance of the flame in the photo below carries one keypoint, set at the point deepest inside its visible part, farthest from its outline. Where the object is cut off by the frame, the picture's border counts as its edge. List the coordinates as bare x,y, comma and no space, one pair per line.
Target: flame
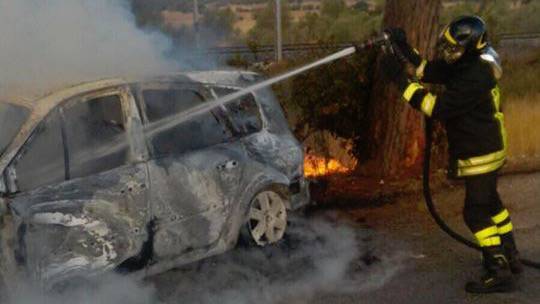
315,166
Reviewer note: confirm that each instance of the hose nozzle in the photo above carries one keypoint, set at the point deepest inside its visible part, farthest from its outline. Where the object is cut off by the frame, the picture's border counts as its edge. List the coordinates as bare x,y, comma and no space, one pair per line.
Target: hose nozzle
374,42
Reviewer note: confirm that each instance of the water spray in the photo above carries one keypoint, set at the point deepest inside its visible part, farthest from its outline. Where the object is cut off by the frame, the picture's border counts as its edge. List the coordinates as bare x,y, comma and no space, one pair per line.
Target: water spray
167,123
171,121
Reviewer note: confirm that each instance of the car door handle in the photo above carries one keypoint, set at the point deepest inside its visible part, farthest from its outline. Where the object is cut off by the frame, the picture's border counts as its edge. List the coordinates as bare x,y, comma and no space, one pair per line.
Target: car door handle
228,165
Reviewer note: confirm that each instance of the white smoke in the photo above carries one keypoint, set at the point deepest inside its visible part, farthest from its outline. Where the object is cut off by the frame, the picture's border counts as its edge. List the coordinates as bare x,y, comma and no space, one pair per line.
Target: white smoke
111,289
45,44
317,257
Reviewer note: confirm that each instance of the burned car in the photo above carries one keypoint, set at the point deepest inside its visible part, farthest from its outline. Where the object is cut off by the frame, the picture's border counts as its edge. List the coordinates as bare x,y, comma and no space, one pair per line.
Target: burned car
87,188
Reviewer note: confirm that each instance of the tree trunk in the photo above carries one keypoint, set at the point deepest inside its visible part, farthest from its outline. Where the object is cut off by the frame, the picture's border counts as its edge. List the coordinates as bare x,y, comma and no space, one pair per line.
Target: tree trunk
395,130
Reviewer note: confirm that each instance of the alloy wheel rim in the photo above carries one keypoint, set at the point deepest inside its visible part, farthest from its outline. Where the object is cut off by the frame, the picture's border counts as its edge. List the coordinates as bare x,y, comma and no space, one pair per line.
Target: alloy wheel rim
267,218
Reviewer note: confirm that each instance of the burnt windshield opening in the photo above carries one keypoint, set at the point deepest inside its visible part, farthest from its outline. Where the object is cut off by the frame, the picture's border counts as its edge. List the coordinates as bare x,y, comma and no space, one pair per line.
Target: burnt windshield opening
12,118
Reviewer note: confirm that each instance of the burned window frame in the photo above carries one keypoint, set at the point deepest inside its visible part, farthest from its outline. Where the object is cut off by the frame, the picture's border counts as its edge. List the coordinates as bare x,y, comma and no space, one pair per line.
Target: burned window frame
12,175
84,98
205,94
128,103
237,132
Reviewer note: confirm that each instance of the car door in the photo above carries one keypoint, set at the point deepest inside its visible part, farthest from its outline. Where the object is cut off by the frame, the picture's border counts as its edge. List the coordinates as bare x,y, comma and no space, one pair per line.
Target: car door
194,170
82,188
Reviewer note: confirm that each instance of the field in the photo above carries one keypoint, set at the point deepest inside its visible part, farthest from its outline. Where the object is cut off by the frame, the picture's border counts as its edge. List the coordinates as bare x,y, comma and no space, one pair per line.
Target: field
521,105
522,117
245,14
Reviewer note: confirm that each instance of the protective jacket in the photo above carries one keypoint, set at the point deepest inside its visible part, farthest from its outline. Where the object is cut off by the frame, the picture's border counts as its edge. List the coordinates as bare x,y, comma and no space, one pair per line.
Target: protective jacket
470,109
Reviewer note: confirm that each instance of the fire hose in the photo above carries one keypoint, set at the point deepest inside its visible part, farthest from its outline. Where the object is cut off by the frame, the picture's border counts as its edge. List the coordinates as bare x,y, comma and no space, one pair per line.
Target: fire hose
431,205
384,42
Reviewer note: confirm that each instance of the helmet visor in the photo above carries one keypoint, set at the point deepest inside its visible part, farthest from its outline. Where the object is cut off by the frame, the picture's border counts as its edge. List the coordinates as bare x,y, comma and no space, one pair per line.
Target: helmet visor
449,51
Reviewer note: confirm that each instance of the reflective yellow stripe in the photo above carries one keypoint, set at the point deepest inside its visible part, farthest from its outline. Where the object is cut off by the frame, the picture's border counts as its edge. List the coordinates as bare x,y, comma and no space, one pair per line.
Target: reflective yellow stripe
480,169
449,36
496,94
501,217
506,228
411,89
481,43
420,69
482,160
488,237
486,233
493,161
428,103
492,241
499,116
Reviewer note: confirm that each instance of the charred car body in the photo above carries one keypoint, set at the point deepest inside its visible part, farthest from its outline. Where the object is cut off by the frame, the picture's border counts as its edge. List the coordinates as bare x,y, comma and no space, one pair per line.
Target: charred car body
86,190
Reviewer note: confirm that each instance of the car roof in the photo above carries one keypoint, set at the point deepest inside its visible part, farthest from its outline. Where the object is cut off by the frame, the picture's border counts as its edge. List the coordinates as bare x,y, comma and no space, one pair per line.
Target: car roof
42,104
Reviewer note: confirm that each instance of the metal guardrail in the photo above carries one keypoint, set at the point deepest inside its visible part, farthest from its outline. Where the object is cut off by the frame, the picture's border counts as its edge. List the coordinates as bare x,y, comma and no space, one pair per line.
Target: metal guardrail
305,47
297,47
509,36
266,52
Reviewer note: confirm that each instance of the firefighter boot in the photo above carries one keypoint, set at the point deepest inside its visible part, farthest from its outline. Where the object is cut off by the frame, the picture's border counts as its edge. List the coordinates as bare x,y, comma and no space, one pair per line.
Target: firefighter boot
498,277
510,250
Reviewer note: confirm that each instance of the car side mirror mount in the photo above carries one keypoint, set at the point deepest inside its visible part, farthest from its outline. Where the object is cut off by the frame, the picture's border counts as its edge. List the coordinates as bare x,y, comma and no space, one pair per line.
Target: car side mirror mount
3,186
3,208
9,180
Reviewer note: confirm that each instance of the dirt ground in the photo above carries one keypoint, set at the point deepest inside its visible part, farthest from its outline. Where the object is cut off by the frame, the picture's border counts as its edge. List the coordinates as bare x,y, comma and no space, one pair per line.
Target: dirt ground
440,267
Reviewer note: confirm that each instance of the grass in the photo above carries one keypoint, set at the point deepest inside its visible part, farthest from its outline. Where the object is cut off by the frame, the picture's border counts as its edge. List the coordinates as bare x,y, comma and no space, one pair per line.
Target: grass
522,75
522,116
521,106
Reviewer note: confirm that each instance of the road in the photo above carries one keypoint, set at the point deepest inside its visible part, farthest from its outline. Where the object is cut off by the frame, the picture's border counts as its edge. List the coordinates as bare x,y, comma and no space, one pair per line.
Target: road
392,253
440,267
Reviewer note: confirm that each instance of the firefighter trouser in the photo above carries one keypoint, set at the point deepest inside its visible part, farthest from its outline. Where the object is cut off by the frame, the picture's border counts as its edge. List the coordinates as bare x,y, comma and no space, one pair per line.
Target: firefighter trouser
484,212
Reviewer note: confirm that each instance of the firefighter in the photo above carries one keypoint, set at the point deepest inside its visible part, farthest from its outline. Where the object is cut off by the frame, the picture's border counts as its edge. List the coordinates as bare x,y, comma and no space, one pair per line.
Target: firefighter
469,107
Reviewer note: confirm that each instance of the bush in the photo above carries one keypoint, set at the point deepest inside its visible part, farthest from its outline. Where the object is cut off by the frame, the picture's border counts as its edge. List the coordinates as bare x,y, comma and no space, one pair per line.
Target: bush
331,98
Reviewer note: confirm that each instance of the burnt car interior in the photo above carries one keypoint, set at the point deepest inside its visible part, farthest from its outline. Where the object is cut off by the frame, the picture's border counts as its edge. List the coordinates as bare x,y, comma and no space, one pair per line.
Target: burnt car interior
68,138
243,112
89,126
162,103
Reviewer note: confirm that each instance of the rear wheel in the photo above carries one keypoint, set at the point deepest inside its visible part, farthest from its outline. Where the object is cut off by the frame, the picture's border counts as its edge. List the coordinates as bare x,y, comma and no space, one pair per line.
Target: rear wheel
267,218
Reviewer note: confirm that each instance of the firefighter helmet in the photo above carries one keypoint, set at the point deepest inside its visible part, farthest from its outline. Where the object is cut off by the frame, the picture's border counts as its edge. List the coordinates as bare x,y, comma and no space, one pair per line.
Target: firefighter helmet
464,36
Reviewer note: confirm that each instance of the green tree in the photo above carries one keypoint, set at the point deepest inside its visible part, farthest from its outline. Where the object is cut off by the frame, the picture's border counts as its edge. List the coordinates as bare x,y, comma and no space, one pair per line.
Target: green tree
217,26
349,25
265,24
333,8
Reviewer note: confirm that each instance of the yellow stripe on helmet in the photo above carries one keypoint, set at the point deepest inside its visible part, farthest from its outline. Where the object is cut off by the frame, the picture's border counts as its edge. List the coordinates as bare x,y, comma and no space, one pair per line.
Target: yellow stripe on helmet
449,36
481,43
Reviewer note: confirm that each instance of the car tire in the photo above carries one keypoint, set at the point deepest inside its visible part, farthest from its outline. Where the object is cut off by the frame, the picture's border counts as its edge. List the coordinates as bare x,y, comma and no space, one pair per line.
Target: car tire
266,220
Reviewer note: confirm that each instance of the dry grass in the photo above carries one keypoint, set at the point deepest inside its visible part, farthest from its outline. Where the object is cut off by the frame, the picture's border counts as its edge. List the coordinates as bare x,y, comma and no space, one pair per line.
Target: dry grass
522,118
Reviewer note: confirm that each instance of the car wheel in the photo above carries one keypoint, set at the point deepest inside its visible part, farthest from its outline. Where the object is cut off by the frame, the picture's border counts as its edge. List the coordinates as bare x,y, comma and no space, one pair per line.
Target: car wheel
267,218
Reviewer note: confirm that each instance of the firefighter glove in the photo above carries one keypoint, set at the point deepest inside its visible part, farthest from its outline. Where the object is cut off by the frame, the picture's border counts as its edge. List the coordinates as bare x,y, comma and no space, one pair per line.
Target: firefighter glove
399,41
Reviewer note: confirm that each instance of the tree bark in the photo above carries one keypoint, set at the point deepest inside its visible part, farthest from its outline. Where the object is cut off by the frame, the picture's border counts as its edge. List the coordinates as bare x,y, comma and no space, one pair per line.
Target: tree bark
395,130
